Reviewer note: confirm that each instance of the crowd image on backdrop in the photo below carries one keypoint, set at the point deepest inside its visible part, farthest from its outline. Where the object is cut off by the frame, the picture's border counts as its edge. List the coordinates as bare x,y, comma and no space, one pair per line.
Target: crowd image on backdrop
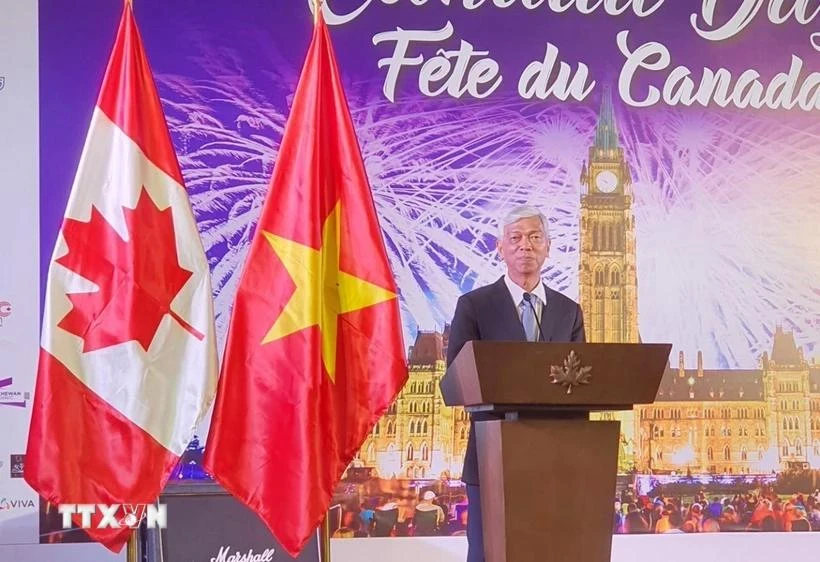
436,510
752,511
401,514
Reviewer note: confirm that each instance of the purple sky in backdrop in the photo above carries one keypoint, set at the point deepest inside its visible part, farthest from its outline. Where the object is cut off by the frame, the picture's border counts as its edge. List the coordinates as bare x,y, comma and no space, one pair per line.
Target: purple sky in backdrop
76,37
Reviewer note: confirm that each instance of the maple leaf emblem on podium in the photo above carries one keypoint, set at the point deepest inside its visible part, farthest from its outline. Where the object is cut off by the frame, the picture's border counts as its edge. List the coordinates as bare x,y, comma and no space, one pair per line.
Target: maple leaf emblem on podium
137,279
571,374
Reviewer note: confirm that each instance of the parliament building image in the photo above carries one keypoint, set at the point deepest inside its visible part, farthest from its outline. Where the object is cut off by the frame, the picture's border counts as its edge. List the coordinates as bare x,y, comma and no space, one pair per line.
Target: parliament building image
703,421
735,422
419,437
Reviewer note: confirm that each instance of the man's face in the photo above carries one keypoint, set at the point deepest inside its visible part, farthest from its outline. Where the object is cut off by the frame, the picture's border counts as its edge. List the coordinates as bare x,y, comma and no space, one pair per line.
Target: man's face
524,246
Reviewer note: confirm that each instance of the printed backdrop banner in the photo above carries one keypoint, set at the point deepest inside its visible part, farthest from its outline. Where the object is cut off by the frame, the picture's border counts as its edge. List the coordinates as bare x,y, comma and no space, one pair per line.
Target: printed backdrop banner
19,306
673,146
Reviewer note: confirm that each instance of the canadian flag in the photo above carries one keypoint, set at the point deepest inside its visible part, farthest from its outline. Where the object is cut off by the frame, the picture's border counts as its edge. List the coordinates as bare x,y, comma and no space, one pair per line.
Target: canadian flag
128,360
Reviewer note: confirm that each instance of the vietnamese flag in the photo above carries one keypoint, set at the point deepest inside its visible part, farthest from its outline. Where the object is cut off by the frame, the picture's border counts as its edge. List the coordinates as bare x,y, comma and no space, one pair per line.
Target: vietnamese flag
315,354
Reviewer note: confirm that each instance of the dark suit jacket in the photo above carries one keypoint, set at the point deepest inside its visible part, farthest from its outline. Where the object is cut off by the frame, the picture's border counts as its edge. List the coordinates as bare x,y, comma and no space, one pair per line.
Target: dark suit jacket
489,313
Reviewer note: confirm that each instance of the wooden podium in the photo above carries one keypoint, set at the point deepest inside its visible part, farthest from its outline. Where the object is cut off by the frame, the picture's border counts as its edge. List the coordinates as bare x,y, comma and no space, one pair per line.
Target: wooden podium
547,472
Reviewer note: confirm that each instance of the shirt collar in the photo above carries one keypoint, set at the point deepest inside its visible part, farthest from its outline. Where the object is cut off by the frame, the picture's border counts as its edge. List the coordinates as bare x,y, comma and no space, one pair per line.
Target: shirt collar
517,292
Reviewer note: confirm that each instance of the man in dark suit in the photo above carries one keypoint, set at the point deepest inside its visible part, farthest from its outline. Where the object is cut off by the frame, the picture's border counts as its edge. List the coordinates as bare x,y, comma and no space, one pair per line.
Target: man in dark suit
517,307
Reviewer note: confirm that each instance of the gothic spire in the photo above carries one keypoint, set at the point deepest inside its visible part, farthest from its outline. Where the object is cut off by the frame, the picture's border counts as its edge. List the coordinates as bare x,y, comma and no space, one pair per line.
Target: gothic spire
606,133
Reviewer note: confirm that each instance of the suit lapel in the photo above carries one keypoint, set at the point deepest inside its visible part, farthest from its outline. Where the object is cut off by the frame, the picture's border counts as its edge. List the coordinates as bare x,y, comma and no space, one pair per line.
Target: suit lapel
508,312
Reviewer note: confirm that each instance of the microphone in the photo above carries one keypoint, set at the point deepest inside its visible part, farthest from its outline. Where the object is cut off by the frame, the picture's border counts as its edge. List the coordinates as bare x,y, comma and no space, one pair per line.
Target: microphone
528,298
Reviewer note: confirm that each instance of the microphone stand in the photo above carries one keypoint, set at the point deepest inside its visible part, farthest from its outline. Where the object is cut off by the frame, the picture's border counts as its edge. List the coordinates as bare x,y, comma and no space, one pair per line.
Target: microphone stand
528,298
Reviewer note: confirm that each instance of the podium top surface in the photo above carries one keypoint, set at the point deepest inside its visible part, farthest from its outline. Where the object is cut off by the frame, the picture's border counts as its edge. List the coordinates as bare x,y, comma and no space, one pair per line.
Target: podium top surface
498,375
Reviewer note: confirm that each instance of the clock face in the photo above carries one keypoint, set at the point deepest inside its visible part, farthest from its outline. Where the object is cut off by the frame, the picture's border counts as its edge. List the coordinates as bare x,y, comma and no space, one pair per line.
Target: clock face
606,181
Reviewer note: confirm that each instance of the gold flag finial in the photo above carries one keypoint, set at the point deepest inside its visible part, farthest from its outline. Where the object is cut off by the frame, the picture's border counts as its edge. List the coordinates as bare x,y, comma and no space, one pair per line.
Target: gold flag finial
317,7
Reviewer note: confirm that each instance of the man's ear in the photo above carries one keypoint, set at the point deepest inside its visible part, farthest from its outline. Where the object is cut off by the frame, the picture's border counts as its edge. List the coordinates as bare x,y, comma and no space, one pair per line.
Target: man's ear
498,248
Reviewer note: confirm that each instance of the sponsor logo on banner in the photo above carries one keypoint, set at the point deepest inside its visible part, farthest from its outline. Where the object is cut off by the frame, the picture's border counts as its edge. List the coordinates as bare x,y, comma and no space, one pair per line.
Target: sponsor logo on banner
5,306
2,83
249,556
12,397
115,516
16,468
10,504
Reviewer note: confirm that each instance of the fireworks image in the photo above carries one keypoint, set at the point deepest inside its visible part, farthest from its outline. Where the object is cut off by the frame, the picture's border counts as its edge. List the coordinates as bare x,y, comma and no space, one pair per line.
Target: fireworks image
726,244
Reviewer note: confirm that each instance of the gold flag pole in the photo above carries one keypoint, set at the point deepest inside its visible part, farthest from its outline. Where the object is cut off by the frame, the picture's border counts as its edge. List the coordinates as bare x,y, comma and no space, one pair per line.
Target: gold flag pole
324,531
132,552
324,541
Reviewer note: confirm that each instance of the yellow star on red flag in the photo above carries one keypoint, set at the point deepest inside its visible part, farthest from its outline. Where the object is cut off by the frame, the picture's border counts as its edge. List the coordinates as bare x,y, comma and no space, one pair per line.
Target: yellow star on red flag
323,292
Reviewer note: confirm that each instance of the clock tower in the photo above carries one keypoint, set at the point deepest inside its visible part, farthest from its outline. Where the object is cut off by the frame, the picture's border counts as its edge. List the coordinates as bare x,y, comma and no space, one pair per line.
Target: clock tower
608,278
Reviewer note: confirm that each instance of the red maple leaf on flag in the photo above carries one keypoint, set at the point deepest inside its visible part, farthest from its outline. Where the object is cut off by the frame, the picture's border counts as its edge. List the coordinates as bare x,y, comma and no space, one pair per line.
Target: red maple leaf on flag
137,279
